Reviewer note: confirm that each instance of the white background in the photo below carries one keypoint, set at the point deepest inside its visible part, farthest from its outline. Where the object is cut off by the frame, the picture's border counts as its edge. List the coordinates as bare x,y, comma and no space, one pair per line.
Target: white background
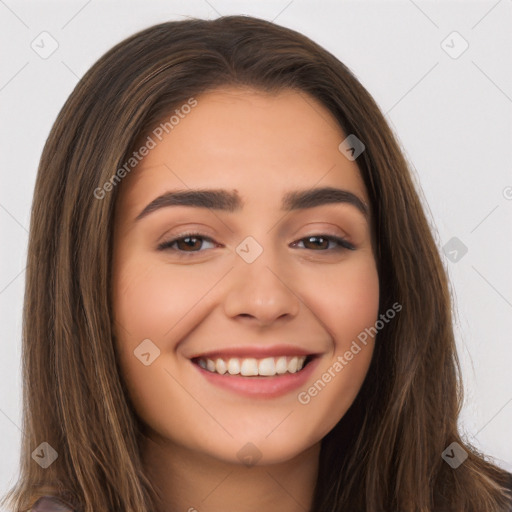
452,116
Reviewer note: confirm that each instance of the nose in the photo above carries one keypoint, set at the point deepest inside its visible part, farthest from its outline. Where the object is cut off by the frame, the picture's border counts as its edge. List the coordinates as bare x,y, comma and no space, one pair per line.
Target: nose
260,294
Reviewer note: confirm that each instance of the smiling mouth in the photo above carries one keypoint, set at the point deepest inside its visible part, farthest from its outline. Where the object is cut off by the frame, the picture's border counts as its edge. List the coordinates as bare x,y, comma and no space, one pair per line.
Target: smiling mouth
252,367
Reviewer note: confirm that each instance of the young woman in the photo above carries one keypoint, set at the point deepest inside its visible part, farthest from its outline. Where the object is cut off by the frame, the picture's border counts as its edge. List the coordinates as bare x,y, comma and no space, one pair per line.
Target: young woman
233,299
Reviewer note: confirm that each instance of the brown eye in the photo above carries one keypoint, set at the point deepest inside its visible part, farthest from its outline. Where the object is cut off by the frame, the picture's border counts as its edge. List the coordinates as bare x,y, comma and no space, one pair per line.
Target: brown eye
186,243
318,242
321,242
190,243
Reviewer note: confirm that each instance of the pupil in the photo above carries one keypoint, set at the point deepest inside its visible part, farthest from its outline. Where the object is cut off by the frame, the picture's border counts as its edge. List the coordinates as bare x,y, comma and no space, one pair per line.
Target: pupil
316,238
187,241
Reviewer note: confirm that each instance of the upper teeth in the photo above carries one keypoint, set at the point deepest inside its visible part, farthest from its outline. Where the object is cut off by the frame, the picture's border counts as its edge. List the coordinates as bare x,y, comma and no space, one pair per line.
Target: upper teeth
251,366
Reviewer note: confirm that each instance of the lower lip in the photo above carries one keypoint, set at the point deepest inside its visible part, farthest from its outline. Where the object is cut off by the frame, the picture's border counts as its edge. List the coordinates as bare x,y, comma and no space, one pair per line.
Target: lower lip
263,387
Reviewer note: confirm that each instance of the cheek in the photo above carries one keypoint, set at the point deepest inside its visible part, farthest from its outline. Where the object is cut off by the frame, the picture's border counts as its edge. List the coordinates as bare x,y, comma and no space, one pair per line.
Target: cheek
149,299
148,306
153,302
347,302
345,299
358,303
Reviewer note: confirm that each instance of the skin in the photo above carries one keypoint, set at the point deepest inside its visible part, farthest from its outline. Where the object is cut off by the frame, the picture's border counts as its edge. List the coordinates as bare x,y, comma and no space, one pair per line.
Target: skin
316,297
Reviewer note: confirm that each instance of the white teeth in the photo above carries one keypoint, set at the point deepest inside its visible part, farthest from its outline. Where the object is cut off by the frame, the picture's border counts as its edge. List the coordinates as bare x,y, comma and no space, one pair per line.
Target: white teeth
248,367
233,366
292,365
267,366
281,365
220,366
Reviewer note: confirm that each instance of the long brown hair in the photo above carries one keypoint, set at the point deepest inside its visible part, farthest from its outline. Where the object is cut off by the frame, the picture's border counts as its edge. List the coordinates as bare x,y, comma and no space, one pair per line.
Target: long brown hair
385,453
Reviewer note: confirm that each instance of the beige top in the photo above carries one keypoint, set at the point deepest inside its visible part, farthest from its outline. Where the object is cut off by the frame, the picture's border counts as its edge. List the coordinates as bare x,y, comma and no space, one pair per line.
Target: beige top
51,504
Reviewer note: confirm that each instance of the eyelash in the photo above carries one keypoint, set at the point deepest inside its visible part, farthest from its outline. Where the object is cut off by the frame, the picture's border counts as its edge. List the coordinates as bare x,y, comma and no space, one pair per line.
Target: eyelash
166,245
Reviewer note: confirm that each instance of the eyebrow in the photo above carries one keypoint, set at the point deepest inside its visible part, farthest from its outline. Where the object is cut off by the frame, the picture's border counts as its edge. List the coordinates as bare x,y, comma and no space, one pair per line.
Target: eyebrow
230,201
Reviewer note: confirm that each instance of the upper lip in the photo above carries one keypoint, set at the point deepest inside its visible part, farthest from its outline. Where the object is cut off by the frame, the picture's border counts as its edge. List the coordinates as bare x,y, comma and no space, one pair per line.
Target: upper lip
257,352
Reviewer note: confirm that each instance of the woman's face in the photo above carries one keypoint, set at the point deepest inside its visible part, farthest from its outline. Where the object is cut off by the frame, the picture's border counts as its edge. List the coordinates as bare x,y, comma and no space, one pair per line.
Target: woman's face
252,278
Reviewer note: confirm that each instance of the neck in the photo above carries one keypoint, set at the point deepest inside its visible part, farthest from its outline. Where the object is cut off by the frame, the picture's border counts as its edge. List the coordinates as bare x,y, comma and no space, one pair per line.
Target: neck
189,481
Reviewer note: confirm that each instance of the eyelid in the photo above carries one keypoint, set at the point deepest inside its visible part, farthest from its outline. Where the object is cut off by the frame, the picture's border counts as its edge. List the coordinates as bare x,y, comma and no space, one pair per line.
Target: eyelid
164,245
343,243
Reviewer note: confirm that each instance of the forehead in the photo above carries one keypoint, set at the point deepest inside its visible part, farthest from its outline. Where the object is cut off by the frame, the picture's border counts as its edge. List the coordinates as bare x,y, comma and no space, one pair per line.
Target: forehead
261,144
